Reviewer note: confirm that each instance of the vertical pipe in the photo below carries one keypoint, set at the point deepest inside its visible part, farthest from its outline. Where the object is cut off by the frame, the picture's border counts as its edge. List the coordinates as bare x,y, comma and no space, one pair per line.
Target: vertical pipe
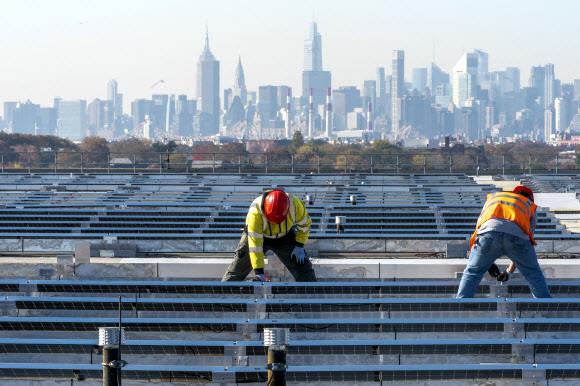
109,163
292,162
55,161
276,367
372,164
160,163
213,163
503,165
110,354
134,165
82,162
2,163
239,164
557,162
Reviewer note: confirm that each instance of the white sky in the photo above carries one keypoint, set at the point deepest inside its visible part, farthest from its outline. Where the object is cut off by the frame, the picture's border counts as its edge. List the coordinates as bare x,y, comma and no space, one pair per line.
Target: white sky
70,48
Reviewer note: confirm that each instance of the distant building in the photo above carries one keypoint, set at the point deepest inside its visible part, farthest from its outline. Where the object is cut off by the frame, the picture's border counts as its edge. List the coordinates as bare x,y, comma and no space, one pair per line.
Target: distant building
268,106
369,93
113,118
549,86
208,91
548,124
314,78
24,118
72,119
96,116
419,79
465,79
9,108
397,90
183,116
139,109
537,80
46,121
344,101
577,89
561,112
381,105
239,88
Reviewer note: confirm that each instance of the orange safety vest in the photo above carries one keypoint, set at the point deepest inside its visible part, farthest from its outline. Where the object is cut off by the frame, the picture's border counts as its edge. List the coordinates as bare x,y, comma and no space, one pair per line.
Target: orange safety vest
507,206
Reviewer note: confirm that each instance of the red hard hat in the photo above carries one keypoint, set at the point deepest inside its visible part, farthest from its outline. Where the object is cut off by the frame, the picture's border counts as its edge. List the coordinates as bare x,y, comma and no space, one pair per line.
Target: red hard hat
276,205
524,191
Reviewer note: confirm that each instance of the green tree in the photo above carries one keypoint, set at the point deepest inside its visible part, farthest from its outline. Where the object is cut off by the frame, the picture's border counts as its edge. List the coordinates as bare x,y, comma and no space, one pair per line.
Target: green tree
297,141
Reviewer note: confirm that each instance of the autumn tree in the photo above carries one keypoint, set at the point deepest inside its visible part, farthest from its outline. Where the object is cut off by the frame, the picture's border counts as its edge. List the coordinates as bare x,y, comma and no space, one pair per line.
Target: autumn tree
95,151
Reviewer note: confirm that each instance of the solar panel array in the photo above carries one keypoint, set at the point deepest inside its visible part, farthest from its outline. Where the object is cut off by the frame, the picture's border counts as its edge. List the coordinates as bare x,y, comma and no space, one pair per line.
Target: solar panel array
567,183
341,332
95,206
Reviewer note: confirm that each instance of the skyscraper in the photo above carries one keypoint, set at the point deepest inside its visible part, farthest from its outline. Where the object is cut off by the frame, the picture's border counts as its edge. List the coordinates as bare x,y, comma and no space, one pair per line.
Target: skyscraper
380,107
72,119
537,80
239,88
115,98
208,90
314,78
577,89
397,90
548,124
24,118
465,79
313,50
549,85
419,79
561,120
482,68
268,105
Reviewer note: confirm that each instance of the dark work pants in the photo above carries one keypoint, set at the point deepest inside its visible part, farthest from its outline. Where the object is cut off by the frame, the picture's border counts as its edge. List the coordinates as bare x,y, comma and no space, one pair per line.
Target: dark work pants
241,267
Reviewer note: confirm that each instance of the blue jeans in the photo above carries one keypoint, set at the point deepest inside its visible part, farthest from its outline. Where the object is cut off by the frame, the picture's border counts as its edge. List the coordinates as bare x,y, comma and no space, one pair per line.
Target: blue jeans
490,246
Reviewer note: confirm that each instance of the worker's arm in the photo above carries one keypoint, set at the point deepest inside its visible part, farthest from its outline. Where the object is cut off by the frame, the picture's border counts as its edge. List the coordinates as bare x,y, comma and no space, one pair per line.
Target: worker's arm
254,227
302,222
511,268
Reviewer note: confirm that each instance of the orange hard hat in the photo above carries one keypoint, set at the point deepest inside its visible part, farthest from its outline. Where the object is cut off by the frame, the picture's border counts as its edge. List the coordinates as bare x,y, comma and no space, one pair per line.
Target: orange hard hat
276,205
524,191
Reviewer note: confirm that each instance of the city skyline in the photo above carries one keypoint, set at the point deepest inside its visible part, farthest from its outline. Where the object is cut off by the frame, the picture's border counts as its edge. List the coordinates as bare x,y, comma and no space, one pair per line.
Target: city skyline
51,74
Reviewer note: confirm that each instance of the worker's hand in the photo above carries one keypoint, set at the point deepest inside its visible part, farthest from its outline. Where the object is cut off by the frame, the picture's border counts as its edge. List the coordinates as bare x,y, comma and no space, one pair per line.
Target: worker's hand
261,277
298,254
504,276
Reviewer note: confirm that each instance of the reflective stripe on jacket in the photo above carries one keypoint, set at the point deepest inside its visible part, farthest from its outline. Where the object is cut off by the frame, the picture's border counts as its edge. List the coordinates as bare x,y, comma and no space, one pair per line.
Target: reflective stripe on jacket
258,227
507,206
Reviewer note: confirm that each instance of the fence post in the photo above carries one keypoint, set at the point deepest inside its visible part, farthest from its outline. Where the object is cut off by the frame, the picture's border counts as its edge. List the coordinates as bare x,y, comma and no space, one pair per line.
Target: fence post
239,164
82,162
134,164
450,164
2,163
55,161
109,163
213,163
477,164
503,165
397,165
318,164
557,162
424,164
160,163
266,165
292,162
529,164
372,164
345,164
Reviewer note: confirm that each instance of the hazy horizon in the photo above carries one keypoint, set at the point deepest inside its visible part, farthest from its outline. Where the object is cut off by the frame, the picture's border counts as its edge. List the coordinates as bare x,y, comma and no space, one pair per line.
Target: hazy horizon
71,49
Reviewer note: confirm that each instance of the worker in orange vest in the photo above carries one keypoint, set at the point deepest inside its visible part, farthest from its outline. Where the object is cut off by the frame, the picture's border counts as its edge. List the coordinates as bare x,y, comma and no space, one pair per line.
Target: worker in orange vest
505,228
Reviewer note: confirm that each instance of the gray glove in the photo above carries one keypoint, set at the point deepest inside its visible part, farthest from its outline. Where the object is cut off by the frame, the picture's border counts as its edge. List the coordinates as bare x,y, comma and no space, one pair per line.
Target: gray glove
298,254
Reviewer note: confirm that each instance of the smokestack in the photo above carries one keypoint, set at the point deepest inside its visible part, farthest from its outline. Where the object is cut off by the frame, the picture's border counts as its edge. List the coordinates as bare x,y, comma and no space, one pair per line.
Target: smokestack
328,117
289,114
311,114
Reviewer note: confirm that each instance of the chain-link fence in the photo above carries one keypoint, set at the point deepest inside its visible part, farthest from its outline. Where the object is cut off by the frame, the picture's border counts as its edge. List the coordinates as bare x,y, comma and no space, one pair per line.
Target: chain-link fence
284,163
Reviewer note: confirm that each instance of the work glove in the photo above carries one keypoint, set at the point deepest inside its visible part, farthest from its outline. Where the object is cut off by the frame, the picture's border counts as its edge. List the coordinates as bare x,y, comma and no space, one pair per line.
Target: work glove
494,271
504,276
298,254
260,277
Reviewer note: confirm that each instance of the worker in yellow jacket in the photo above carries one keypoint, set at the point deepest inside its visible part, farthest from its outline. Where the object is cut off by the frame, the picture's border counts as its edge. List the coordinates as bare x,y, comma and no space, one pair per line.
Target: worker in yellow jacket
505,228
276,221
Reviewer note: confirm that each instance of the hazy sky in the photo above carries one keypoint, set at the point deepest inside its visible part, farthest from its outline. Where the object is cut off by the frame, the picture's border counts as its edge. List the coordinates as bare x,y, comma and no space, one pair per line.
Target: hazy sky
70,48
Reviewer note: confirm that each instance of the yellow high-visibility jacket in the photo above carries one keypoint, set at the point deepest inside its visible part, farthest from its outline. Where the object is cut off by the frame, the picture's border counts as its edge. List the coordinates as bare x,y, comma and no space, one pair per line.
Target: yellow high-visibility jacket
258,227
507,206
